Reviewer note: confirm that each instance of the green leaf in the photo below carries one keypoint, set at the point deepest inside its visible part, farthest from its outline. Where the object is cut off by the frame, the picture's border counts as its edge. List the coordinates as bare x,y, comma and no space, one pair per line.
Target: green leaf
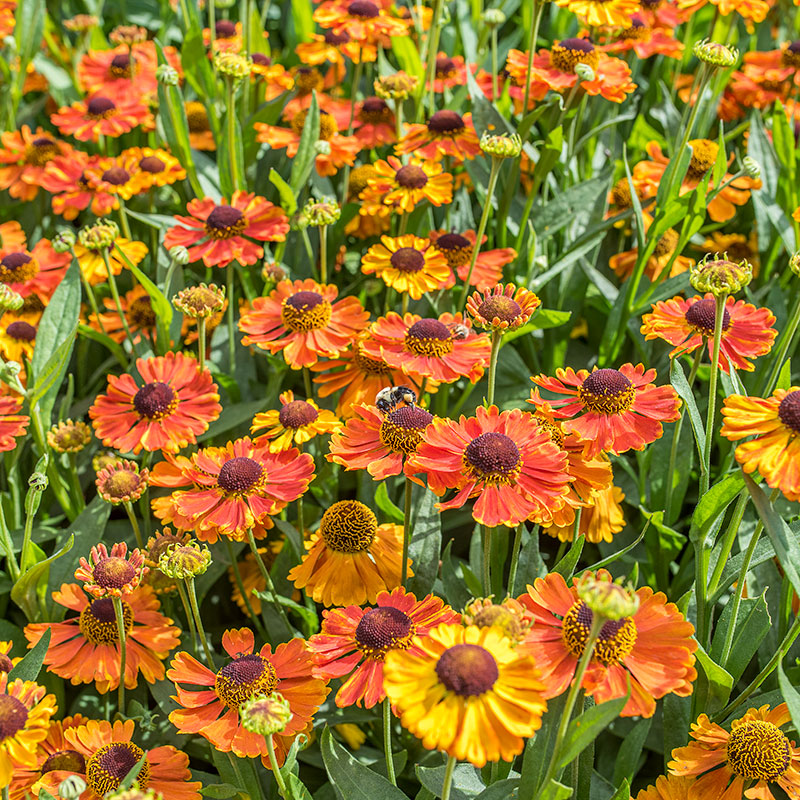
288,200
30,590
555,791
714,683
133,774
764,552
303,161
295,788
219,791
630,751
785,376
31,665
623,791
678,380
407,55
113,347
506,789
302,17
158,300
53,369
566,566
30,16
588,726
466,781
753,623
454,589
426,540
351,779
385,504
711,507
790,696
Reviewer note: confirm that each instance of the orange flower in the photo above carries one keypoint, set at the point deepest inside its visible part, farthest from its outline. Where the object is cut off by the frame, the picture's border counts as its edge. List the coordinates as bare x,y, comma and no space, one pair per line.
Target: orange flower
12,425
12,237
232,488
85,648
18,336
601,13
667,787
137,306
109,755
505,460
98,115
343,149
458,249
362,20
645,40
380,443
93,267
653,648
332,47
449,73
107,574
613,410
747,331
774,422
227,36
175,403
73,188
35,271
155,167
747,762
755,10
201,136
213,712
446,133
400,187
502,308
23,157
407,264
219,233
624,263
374,123
350,559
296,422
601,517
302,320
443,349
353,641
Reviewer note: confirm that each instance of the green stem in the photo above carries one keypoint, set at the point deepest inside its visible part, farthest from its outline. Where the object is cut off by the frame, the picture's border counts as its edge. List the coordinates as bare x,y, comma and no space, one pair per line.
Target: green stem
712,395
357,70
231,342
122,652
123,220
237,576
323,247
267,579
198,621
487,208
487,560
387,740
8,546
728,539
112,282
785,342
538,8
431,52
201,343
497,338
236,178
309,387
91,298
406,533
134,524
80,502
276,770
448,777
494,63
574,691
515,548
188,612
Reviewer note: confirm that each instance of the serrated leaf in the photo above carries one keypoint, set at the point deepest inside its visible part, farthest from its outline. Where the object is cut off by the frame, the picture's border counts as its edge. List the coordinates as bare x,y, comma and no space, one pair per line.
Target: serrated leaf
30,666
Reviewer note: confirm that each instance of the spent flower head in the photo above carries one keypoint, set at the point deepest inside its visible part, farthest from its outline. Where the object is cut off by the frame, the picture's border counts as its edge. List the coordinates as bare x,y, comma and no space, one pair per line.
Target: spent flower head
399,86
715,54
606,598
69,436
82,23
501,145
107,574
181,561
201,301
720,276
99,236
265,714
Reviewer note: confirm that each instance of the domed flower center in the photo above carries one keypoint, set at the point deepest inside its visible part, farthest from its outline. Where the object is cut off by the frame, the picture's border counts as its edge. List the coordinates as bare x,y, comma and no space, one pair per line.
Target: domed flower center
374,111
6,664
297,413
100,107
197,117
335,39
500,306
568,53
638,30
121,485
702,314
67,760
468,670
367,365
141,313
446,123
492,457
120,66
501,617
429,337
224,222
363,8
18,268
407,259
790,57
306,79
116,176
615,642
113,572
98,623
607,391
401,430
666,244
225,29
13,716
306,311
260,59
243,678
704,156
21,331
383,629
789,411
152,164
456,248
348,527
239,474
759,750
553,430
155,400
411,177
107,768
40,151
445,67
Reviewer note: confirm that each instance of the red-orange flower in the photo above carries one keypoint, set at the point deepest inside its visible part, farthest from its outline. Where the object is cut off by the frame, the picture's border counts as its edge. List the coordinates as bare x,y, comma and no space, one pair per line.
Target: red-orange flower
747,331
446,133
353,641
504,459
69,179
107,574
444,349
303,320
12,237
213,712
85,648
88,120
362,20
458,249
232,489
374,123
652,648
219,233
646,39
613,410
23,157
12,425
450,71
175,403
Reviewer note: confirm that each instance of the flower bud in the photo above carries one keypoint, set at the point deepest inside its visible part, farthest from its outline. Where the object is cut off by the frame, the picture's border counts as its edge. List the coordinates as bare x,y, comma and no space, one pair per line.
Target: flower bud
233,65
9,370
9,299
128,34
751,167
226,3
82,23
185,561
133,794
584,72
63,241
69,436
71,788
720,276
794,263
606,598
38,482
399,86
200,302
179,254
99,236
502,145
322,147
167,75
272,274
510,616
321,212
715,54
265,714
494,17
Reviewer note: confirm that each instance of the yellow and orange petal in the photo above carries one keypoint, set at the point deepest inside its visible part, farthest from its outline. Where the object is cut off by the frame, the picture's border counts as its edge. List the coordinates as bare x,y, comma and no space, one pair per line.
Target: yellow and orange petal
407,264
295,422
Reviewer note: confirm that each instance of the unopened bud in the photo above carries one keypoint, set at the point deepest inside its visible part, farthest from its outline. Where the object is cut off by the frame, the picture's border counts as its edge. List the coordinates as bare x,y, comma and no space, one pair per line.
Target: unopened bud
751,167
494,17
501,146
322,147
321,212
794,263
584,72
63,241
607,599
399,86
185,561
720,276
9,299
167,75
715,54
265,714
99,236
71,788
233,65
179,254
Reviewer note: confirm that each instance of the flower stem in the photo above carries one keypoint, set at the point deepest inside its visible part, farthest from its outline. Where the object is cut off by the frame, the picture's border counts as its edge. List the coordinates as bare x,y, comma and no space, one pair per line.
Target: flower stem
487,560
122,651
487,208
276,770
448,777
80,503
236,178
357,70
538,8
712,394
268,579
237,576
786,340
8,546
198,621
494,63
201,343
387,740
323,247
231,342
497,338
188,612
406,533
134,524
515,548
112,282
432,50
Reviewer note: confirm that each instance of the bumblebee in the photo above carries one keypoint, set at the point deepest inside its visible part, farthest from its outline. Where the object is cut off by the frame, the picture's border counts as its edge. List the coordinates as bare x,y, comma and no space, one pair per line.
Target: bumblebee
459,331
387,400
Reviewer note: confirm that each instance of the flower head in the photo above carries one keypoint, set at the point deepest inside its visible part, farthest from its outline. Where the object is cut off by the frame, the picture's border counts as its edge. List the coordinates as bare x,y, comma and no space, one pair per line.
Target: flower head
719,276
99,115
510,616
233,65
399,86
69,436
122,482
111,574
407,264
446,133
200,302
320,212
715,54
265,714
181,561
500,145
296,422
502,308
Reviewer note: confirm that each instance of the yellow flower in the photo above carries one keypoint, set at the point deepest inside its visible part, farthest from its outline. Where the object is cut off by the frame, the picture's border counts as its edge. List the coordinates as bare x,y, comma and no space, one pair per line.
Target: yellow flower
93,266
407,264
295,422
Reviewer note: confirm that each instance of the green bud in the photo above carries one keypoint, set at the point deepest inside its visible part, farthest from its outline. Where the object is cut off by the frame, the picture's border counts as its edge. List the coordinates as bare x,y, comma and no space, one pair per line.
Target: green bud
607,599
502,145
715,54
265,714
720,276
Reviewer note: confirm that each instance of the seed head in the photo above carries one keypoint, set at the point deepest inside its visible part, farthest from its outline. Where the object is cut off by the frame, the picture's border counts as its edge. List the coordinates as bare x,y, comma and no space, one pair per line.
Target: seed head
69,436
794,263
